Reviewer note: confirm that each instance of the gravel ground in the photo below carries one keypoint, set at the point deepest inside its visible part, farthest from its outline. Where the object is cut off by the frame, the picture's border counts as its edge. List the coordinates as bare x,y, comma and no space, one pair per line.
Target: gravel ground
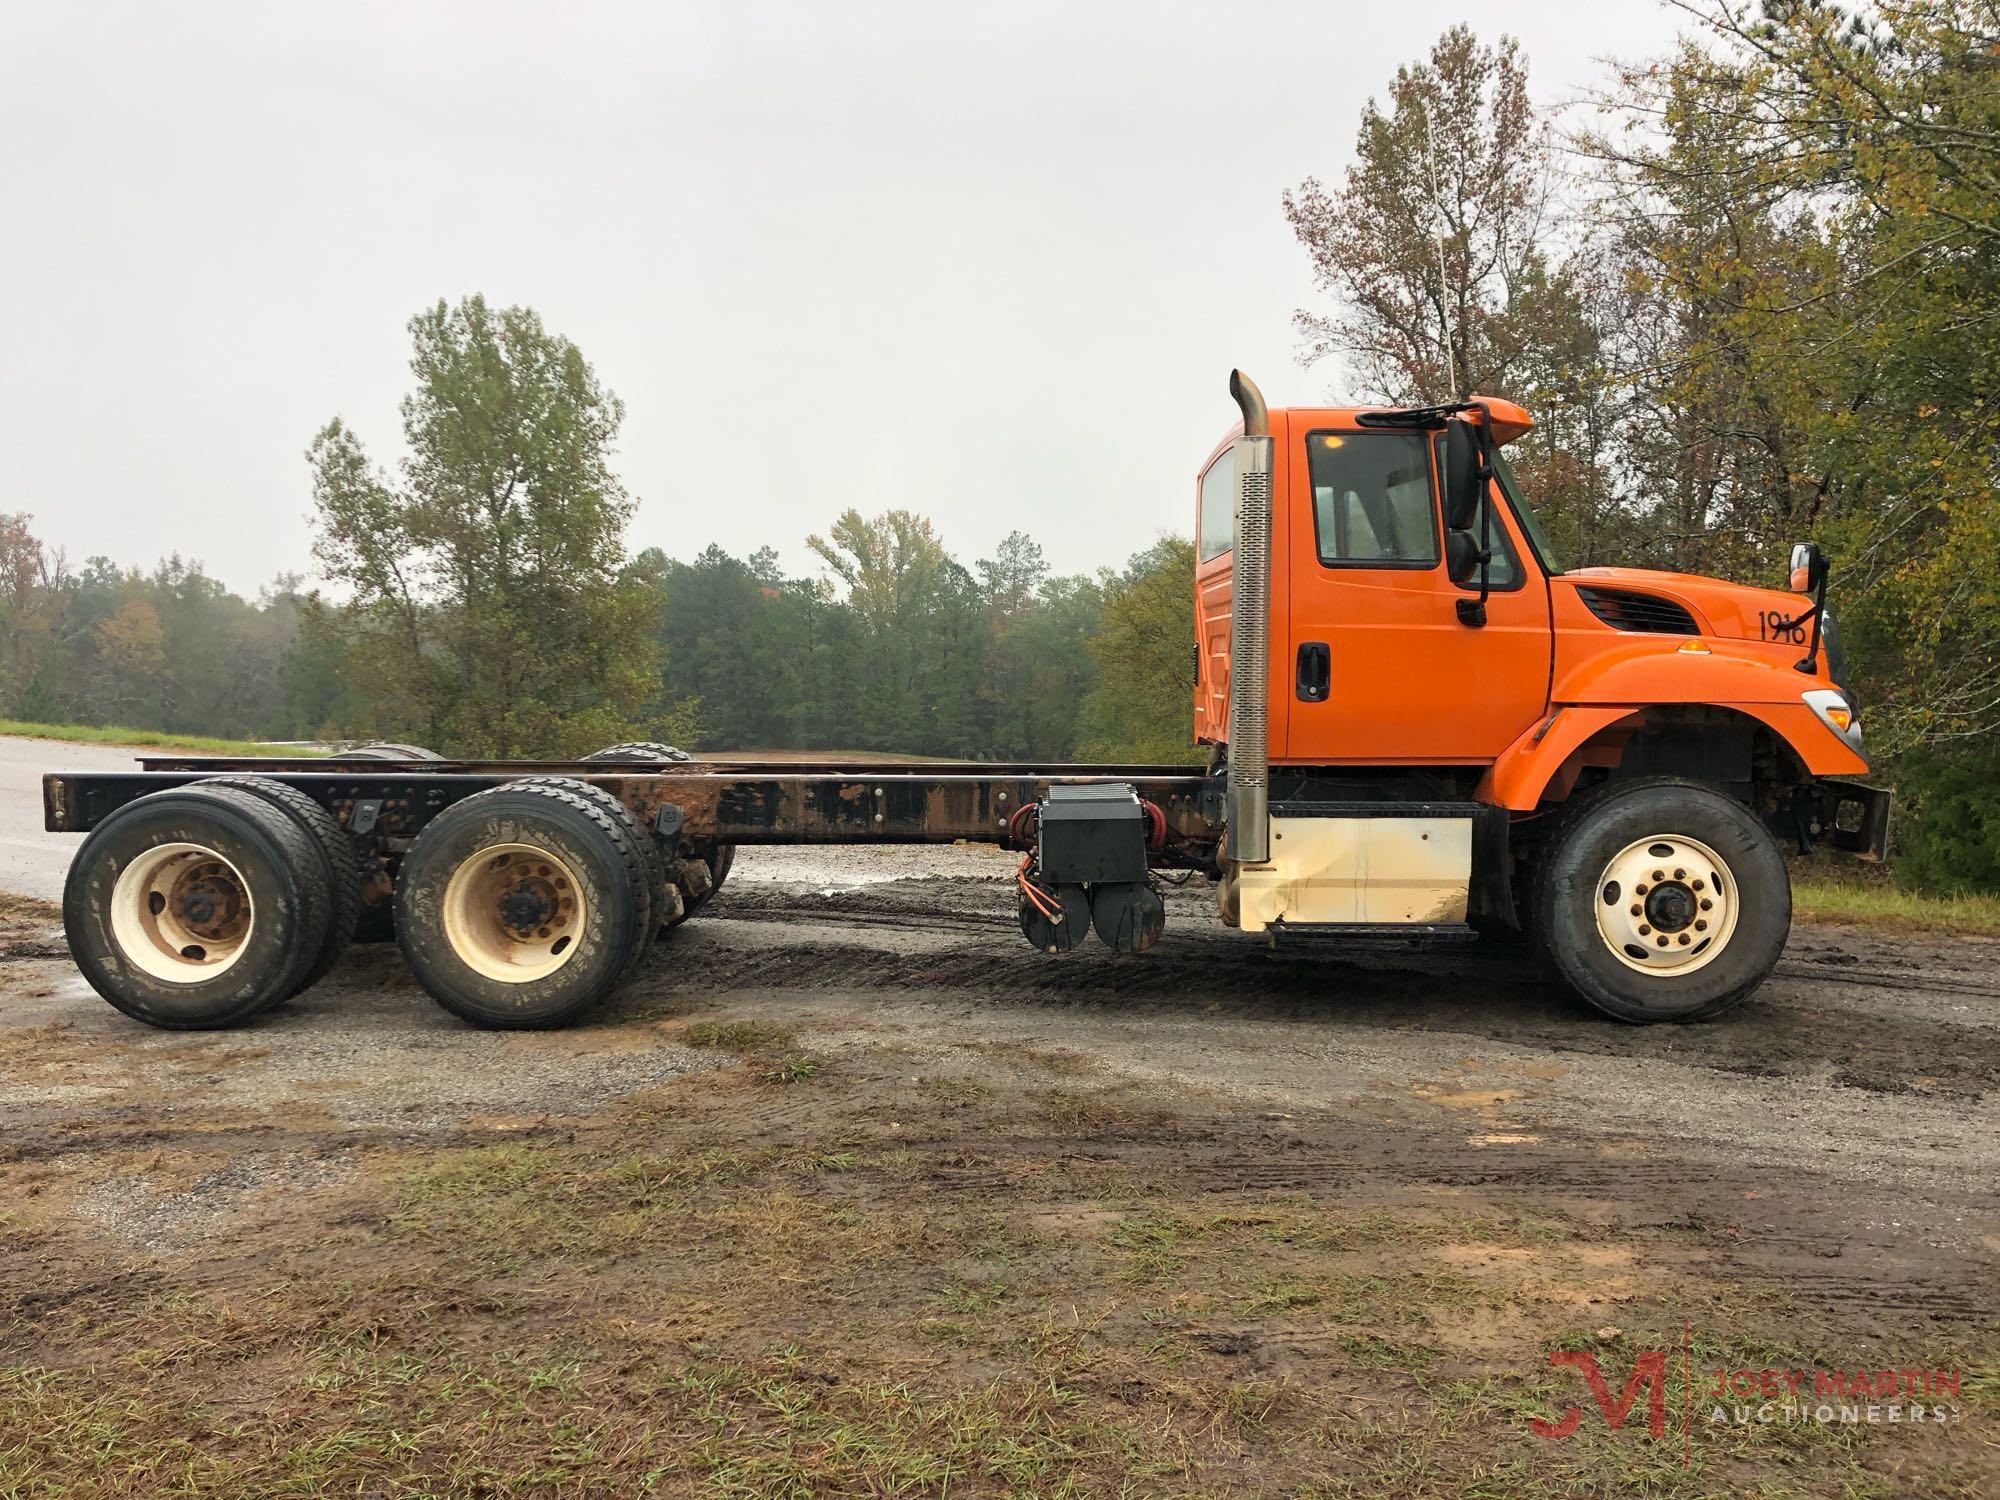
1824,1156
1867,1065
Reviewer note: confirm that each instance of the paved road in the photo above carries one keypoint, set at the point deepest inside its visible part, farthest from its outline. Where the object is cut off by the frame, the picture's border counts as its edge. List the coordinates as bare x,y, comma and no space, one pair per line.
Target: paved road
33,863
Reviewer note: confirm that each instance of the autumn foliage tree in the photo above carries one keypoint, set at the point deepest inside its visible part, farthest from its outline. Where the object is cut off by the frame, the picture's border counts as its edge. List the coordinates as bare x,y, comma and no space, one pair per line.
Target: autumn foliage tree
1455,266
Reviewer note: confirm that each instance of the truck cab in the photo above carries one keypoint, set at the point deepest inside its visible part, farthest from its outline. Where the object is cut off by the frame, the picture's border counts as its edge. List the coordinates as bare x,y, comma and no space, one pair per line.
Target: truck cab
1378,658
1382,625
1379,669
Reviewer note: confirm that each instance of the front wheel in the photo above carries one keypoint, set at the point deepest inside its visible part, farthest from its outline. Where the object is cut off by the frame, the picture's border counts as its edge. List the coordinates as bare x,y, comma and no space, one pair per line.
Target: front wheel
1661,900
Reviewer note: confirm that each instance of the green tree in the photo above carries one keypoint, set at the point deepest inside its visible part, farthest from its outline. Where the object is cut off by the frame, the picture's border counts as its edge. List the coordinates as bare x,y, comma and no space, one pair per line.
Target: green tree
1040,671
493,608
920,618
1142,706
1011,577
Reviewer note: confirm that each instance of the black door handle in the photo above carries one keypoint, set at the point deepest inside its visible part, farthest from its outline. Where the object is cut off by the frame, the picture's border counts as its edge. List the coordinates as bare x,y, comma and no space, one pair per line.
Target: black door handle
1315,672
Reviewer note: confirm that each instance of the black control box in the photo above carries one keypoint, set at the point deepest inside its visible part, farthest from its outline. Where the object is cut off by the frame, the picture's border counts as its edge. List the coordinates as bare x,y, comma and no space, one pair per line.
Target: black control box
1091,835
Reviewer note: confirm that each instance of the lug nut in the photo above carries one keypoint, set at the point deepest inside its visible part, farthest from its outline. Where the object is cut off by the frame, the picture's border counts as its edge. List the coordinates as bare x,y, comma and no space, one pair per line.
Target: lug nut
1697,885
1659,874
1685,940
1662,940
1638,890
1645,931
1680,874
1706,904
1701,924
1637,908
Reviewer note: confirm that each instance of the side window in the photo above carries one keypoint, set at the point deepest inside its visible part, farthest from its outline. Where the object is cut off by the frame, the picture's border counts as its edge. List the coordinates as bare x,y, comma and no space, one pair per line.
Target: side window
1218,507
1503,572
1372,499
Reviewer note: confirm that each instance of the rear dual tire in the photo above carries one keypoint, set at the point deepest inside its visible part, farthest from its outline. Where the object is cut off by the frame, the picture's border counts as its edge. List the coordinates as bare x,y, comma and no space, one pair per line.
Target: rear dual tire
385,750
198,908
524,906
338,868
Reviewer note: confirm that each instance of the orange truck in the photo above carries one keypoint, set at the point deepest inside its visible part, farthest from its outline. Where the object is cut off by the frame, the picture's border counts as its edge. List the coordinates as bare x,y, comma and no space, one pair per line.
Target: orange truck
1421,728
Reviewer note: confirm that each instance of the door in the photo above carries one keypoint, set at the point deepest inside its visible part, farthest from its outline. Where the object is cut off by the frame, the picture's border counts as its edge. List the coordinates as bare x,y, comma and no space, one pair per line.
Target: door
1382,668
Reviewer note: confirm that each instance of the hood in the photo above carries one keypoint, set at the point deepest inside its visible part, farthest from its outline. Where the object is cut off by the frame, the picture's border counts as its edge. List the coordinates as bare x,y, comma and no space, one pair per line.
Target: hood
1728,611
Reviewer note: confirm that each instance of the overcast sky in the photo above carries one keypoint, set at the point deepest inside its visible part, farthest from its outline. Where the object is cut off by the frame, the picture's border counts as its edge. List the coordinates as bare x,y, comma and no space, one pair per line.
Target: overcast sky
992,263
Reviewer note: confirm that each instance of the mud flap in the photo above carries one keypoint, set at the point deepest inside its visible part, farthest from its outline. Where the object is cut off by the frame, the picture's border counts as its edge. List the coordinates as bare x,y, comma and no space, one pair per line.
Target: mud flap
1854,817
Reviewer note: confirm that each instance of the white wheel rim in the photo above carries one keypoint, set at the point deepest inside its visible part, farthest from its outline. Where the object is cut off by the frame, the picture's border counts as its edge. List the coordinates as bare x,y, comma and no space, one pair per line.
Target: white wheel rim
1666,904
182,913
513,912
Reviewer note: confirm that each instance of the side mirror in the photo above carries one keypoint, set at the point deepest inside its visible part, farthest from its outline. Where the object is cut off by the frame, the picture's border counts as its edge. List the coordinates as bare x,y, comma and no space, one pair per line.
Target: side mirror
1808,567
1461,556
1464,475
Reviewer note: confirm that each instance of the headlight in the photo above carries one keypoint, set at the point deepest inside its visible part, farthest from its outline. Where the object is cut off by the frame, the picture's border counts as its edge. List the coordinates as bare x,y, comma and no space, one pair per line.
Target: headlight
1834,711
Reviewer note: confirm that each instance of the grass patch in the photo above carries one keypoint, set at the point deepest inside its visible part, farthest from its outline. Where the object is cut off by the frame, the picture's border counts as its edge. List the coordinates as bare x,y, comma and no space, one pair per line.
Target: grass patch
1279,1297
781,1294
1381,1353
119,734
736,1036
954,1091
796,1068
1890,907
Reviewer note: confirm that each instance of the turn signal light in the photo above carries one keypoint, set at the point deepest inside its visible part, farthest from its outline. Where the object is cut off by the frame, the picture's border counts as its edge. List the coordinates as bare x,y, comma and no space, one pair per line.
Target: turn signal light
1837,714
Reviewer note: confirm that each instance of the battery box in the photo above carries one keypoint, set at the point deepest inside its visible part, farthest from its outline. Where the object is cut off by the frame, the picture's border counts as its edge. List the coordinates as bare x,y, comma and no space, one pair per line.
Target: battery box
1091,835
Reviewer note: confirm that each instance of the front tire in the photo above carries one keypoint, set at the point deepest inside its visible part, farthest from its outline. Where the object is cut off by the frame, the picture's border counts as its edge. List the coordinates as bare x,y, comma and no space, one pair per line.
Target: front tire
1661,900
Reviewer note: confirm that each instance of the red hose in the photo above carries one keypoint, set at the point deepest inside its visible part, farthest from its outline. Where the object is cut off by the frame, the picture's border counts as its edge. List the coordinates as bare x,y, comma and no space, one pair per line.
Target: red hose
1043,901
1015,836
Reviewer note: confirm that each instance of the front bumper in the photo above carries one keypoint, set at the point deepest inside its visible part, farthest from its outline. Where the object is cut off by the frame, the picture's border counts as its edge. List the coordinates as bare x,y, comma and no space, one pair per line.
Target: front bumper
1853,817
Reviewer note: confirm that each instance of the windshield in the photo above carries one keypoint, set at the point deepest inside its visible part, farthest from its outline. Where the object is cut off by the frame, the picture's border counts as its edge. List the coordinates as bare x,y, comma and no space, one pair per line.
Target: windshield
1537,538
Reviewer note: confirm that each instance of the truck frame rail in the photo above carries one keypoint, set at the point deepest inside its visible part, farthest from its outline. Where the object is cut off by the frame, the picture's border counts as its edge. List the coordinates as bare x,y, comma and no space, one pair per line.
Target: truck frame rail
728,802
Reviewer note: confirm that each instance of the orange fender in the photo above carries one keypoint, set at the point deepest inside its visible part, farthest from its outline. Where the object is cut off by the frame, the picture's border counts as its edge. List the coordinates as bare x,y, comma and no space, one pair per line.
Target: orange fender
1622,685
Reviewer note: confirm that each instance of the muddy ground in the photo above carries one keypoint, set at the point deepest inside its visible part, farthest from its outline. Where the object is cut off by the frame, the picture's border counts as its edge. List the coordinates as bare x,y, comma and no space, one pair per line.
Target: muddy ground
853,1192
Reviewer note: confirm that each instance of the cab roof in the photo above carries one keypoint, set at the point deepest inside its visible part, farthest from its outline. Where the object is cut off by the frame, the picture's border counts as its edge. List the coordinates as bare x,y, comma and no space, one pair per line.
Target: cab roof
1510,420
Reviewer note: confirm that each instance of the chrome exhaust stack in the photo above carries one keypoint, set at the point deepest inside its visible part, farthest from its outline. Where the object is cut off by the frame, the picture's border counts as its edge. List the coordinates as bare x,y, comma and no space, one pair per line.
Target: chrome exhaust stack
1248,808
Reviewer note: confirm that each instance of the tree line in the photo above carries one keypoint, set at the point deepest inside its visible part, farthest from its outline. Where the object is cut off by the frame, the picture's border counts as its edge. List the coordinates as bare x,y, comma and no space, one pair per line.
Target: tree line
485,603
171,649
1003,660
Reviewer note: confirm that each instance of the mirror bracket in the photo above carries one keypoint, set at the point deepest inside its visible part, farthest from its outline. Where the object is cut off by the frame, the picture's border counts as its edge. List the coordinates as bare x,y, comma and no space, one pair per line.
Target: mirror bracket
1472,612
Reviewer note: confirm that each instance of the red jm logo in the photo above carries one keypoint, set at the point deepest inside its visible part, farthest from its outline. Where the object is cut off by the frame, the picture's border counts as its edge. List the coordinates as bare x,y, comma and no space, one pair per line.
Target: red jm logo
1649,1370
